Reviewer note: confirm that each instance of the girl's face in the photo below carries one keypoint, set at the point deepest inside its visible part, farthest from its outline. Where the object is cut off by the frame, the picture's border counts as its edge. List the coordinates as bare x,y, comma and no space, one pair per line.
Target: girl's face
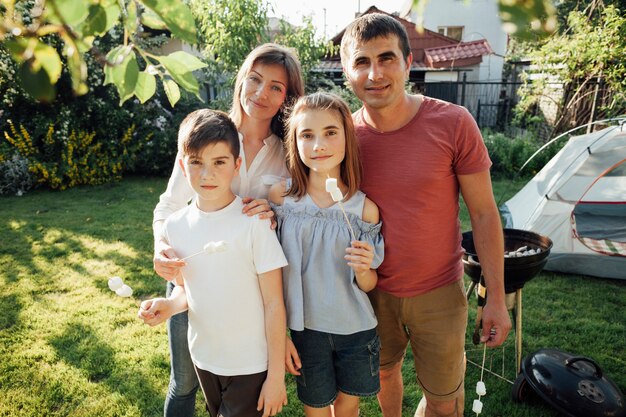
321,140
263,91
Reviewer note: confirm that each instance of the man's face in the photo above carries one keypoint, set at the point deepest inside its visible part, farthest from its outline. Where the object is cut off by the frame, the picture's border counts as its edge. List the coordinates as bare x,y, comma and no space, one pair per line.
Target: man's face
377,71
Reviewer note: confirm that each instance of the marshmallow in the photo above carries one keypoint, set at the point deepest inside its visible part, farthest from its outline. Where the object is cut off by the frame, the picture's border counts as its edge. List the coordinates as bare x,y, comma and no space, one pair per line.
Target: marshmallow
115,283
331,184
480,388
477,407
213,247
124,291
336,195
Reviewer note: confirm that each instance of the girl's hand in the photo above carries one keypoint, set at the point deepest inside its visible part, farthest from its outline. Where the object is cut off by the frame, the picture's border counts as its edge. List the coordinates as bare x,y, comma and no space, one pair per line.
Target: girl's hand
292,359
154,311
259,206
166,262
360,256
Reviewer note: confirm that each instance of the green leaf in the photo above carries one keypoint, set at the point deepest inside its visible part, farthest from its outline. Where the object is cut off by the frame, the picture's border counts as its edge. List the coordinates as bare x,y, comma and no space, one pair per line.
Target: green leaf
17,47
145,87
36,82
183,78
152,20
114,58
78,73
176,16
171,91
46,57
112,10
71,12
130,22
96,23
125,77
182,61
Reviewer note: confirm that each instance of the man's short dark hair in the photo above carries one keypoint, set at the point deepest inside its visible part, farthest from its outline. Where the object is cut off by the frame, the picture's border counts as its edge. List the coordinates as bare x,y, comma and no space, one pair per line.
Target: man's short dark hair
371,26
204,127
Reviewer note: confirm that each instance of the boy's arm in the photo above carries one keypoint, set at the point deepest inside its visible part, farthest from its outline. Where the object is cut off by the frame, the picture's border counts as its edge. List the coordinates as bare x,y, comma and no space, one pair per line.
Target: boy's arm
273,393
157,310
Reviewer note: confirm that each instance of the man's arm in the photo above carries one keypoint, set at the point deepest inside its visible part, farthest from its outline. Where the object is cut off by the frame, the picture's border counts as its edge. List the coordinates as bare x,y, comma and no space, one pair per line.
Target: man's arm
489,243
273,394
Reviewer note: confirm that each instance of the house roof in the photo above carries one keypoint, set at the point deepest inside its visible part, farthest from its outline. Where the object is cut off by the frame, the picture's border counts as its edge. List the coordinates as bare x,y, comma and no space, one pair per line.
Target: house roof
461,54
443,52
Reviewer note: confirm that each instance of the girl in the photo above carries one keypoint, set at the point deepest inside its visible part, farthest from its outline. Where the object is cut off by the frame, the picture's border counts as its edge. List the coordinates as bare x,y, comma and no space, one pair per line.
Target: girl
269,78
332,323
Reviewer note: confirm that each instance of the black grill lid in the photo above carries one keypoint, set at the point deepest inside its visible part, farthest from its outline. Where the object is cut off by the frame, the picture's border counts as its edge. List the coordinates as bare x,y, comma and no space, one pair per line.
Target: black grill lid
574,385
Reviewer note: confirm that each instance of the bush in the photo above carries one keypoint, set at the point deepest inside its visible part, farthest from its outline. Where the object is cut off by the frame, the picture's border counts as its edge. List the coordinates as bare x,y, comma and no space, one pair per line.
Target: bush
15,178
510,154
77,160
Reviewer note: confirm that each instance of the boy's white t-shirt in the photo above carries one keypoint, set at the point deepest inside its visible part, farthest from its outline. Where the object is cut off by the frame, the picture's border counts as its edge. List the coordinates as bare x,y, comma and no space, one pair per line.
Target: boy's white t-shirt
226,315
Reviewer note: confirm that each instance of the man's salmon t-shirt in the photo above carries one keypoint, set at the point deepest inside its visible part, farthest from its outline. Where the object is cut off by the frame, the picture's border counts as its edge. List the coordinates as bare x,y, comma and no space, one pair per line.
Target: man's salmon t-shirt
411,174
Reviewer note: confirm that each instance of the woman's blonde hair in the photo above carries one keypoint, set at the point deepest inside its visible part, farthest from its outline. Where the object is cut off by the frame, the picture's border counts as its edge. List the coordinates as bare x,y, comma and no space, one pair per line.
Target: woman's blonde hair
270,54
350,169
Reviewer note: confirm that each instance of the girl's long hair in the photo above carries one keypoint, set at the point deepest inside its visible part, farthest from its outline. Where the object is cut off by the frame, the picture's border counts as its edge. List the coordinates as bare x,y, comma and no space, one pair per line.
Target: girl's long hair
350,169
270,54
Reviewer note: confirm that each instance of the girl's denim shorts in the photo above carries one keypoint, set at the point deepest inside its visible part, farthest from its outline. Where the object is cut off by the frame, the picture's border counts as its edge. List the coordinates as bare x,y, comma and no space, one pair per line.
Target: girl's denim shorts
333,363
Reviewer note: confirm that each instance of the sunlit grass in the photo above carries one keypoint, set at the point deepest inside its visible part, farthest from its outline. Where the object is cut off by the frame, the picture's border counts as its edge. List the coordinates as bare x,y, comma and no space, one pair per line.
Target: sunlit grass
71,347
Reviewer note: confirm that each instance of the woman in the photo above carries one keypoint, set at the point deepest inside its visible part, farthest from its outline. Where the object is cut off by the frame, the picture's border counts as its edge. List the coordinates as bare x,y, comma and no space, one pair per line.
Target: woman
267,81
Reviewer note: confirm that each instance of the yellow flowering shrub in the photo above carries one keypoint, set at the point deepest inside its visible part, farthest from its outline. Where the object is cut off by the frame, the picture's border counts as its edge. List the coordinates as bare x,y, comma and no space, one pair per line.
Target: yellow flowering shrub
75,160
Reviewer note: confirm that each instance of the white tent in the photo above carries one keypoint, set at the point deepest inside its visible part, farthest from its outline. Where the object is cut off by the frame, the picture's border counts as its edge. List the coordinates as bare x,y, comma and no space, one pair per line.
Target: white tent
579,201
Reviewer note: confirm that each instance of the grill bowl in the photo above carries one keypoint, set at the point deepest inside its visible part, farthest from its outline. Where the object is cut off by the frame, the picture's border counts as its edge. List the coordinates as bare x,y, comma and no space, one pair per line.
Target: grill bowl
516,270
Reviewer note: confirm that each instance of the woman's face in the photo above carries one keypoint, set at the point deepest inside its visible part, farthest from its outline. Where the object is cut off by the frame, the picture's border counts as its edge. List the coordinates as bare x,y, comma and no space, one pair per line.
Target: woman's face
264,90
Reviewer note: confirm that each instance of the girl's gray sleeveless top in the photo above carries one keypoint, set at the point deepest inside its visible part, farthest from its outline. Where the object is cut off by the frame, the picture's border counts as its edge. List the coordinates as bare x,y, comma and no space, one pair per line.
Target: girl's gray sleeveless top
320,289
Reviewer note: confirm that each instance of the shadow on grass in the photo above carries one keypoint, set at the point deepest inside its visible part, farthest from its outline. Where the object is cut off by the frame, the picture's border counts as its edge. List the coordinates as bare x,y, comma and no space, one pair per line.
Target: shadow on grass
10,306
80,347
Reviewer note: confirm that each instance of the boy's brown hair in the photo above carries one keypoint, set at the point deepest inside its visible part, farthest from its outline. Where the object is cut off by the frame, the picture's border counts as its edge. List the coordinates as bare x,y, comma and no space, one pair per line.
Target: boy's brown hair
204,127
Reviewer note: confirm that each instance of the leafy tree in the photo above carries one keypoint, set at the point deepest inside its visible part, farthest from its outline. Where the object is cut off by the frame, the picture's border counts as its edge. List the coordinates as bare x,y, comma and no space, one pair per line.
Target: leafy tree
28,28
587,58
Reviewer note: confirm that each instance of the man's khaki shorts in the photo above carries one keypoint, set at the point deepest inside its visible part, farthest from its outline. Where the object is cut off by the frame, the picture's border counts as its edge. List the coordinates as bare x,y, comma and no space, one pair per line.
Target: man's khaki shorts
434,323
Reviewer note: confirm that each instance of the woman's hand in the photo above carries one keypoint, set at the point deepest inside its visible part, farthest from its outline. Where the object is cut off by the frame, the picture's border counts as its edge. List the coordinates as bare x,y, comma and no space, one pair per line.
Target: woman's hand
166,263
259,206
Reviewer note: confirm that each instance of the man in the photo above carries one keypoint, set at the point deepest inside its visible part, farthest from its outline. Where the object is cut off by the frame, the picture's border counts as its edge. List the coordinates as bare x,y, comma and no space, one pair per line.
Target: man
417,154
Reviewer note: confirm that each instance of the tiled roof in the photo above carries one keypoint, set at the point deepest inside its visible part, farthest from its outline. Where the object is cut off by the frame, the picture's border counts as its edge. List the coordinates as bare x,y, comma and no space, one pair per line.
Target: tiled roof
462,51
333,66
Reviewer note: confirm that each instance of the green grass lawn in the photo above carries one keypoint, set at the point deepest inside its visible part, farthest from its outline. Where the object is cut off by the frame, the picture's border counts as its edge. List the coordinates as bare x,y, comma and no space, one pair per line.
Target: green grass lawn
71,347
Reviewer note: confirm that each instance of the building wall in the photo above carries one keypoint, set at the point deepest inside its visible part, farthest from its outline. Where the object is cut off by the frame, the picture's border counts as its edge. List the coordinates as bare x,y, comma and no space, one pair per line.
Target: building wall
480,20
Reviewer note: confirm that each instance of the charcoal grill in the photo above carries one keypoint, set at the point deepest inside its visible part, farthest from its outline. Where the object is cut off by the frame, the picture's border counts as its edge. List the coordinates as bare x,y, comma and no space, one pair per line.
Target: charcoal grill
517,271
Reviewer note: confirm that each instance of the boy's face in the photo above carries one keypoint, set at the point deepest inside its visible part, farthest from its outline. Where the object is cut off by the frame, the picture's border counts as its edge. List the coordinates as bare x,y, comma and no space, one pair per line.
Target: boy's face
377,71
210,174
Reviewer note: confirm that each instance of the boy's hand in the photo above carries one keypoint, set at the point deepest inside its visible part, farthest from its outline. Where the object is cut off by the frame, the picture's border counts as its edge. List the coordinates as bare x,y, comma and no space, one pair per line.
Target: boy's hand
360,256
166,262
259,206
292,359
154,311
273,397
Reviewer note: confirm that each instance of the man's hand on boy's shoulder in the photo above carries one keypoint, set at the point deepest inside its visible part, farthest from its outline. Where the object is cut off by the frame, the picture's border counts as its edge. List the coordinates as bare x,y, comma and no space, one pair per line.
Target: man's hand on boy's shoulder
273,397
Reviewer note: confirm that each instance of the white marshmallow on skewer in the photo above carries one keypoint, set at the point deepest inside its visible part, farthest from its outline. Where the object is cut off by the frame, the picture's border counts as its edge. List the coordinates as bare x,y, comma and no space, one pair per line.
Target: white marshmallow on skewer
124,291
115,283
477,407
481,389
331,184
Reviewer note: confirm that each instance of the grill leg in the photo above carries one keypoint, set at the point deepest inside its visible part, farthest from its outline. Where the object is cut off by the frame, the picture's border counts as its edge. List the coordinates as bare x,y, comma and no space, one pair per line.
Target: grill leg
518,330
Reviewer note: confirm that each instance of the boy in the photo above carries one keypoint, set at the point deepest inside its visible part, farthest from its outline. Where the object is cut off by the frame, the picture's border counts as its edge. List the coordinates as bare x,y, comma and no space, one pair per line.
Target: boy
234,297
